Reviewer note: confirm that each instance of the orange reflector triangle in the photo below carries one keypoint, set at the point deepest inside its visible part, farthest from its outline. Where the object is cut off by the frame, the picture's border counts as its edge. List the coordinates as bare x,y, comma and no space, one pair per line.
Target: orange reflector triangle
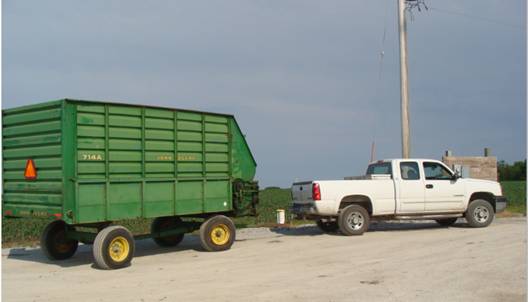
31,171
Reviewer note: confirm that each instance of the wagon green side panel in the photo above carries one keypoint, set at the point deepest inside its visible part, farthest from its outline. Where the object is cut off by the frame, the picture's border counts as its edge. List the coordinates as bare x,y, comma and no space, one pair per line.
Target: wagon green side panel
189,197
137,161
159,199
243,163
33,132
106,161
124,200
69,161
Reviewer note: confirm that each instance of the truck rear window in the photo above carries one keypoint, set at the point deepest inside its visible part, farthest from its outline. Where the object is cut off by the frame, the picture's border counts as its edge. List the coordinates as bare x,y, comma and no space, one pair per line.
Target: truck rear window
379,168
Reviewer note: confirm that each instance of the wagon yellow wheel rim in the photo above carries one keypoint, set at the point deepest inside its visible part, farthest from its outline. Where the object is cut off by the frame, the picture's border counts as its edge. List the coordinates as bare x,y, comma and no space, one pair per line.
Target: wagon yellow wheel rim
220,234
119,249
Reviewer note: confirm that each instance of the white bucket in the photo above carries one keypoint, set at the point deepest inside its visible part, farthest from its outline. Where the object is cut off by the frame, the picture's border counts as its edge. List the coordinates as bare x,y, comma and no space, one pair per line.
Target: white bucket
281,216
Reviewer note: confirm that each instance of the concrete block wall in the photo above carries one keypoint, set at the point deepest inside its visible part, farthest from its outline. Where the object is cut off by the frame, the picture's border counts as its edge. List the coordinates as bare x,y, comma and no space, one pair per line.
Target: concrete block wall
481,167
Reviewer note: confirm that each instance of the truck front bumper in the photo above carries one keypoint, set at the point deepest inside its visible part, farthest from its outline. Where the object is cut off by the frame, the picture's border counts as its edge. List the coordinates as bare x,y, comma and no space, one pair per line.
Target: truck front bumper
500,203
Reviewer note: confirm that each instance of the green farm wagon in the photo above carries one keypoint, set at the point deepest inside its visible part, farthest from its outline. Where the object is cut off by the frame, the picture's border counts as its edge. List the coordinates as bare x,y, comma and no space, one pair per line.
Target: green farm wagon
87,164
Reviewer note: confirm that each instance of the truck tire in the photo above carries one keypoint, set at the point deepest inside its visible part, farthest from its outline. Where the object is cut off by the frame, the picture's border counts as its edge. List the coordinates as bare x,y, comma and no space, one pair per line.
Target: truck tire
480,213
447,221
113,248
54,243
166,223
353,220
327,226
217,233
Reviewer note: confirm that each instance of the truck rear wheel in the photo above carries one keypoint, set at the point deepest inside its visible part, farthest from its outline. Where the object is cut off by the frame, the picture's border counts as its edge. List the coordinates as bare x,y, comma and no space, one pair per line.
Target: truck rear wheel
166,223
113,247
447,221
55,244
217,233
480,213
327,225
353,220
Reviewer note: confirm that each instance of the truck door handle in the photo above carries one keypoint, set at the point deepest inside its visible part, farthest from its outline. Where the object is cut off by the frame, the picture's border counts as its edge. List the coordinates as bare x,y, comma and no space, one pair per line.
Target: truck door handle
429,186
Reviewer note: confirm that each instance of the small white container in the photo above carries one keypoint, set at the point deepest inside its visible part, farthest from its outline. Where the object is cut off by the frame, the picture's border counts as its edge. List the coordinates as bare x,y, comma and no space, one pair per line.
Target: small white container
281,216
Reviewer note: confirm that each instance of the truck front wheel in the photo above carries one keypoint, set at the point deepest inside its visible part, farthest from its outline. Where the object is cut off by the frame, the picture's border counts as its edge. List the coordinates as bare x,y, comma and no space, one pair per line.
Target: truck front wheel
353,220
480,213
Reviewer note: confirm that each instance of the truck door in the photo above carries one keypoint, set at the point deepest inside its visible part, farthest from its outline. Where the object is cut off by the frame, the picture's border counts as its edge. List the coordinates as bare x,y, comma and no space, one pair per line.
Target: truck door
410,188
443,193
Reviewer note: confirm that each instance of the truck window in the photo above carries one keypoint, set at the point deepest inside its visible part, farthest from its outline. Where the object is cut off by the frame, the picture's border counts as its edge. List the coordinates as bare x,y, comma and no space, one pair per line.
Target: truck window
435,171
409,170
379,168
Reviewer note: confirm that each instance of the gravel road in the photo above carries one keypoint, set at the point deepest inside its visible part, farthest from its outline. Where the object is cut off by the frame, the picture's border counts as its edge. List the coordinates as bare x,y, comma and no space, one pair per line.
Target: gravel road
394,261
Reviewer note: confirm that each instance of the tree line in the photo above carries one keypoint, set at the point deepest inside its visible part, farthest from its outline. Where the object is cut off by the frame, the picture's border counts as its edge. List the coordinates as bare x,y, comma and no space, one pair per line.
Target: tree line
515,171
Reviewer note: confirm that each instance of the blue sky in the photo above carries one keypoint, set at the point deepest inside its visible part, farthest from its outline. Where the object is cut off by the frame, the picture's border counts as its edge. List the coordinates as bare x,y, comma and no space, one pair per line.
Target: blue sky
302,77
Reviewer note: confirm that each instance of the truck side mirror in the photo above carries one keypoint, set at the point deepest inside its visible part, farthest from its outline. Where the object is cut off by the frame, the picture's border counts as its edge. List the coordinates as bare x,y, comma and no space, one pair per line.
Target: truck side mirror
456,176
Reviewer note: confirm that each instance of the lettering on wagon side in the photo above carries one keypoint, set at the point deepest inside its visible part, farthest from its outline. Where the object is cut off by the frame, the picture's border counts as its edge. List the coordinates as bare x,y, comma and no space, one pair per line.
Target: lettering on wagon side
186,157
181,157
91,156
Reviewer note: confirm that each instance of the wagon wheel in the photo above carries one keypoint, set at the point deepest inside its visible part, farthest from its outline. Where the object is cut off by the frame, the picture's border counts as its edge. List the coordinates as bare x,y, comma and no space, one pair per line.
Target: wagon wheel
54,242
166,223
113,247
217,233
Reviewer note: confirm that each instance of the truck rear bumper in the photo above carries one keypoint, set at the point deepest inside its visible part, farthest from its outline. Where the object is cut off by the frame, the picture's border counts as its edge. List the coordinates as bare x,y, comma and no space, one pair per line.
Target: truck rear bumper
500,203
303,209
311,209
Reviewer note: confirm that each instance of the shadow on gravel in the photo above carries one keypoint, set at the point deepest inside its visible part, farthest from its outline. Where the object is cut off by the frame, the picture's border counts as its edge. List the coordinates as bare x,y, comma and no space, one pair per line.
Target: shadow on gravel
375,226
83,256
147,247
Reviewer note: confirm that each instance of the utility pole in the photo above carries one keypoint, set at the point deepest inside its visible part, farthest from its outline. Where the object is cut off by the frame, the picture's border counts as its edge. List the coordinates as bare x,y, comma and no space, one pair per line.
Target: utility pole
404,91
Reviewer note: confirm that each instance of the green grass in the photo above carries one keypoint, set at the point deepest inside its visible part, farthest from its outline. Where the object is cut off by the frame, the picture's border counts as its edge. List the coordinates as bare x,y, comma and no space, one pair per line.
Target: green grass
515,192
27,231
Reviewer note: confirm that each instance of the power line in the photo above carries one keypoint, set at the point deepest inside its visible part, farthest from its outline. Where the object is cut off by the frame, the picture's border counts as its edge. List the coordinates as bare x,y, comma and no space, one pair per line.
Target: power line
382,51
475,17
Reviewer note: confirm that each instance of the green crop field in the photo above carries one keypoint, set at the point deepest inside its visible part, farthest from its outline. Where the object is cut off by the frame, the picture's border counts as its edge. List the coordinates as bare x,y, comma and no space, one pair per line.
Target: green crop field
515,191
27,231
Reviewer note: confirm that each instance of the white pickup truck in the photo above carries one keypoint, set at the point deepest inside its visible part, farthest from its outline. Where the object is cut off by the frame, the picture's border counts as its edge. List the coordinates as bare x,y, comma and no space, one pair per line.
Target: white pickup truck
398,189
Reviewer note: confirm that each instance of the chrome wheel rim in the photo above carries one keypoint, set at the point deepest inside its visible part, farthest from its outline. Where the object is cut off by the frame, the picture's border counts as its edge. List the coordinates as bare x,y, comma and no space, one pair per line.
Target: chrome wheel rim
355,221
481,214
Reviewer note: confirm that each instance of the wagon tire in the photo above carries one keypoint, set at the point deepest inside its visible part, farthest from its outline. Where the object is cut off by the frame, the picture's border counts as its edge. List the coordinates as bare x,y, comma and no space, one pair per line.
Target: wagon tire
353,220
163,223
54,243
217,233
113,248
446,221
479,213
327,226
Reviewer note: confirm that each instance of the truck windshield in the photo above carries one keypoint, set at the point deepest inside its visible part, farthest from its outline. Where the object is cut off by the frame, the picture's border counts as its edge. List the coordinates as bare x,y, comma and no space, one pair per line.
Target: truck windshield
379,168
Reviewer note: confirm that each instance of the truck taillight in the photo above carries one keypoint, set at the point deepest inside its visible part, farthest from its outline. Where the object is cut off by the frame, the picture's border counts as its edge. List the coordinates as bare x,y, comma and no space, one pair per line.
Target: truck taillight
316,191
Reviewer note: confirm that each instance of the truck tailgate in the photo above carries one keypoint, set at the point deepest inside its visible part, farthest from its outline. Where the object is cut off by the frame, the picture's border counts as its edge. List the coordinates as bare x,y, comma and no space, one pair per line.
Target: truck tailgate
302,192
